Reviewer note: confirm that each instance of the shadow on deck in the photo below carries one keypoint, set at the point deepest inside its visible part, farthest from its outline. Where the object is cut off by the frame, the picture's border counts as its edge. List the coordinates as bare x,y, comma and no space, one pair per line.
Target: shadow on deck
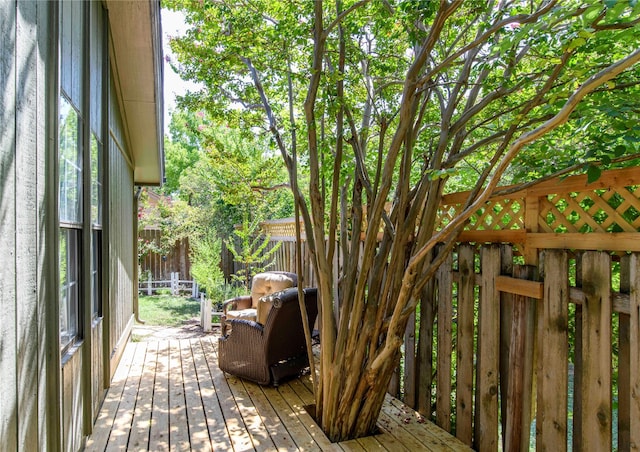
171,395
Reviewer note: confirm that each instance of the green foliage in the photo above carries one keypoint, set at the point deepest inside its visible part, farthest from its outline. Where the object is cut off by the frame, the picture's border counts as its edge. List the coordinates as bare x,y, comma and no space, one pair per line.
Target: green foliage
513,62
249,248
205,263
214,175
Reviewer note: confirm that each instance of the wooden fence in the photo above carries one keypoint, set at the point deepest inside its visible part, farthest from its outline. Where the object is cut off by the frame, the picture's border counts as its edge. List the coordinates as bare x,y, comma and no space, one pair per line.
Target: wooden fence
161,266
503,345
533,317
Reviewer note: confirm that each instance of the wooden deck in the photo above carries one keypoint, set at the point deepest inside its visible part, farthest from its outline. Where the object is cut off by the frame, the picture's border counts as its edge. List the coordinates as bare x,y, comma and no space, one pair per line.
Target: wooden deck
170,395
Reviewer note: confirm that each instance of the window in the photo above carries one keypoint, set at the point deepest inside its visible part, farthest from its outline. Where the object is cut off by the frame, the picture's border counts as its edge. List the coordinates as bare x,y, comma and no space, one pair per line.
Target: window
69,287
96,273
96,181
70,201
96,227
70,211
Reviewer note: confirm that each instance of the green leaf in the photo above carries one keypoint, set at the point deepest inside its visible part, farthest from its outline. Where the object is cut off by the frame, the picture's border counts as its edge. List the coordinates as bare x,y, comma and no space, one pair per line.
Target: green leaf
619,150
593,174
591,13
575,43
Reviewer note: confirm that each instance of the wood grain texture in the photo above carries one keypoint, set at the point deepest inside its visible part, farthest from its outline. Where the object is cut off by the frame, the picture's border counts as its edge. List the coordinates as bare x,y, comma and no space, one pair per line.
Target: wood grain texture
465,358
8,382
596,351
634,354
486,426
553,361
47,250
444,343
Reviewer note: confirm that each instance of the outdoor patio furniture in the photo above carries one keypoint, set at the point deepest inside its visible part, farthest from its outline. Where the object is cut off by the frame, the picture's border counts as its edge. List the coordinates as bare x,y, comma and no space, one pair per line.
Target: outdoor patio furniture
266,354
246,306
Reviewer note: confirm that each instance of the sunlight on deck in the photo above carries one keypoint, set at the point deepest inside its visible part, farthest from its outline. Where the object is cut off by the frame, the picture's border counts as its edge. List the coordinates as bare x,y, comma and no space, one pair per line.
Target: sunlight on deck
171,395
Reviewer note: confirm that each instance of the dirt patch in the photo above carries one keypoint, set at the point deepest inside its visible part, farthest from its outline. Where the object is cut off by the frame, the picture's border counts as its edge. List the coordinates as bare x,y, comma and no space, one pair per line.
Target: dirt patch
190,329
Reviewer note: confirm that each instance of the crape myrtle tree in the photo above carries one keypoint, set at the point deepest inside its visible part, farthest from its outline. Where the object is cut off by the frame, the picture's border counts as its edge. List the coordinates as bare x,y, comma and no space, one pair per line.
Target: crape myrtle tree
387,103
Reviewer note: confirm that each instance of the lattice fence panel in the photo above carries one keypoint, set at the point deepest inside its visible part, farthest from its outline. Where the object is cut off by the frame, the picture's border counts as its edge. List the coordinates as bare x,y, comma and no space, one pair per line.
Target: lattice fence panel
497,215
610,210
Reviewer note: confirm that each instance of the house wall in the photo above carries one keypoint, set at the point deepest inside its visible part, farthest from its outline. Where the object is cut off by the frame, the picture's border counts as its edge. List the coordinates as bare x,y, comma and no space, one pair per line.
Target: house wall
121,233
27,244
49,396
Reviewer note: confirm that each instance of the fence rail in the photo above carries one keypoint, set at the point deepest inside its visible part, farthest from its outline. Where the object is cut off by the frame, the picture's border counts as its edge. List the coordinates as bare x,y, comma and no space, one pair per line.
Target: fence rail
174,284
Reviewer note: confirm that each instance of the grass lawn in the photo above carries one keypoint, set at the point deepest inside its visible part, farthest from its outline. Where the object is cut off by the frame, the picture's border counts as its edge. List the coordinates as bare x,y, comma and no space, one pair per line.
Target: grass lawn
167,310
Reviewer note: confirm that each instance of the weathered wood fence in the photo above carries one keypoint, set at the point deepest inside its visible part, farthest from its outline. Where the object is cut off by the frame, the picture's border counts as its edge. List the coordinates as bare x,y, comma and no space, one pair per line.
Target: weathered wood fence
533,317
499,339
161,266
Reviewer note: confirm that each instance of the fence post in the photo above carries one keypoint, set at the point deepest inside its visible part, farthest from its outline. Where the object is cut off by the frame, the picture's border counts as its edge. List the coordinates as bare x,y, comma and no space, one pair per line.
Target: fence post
194,289
205,313
174,283
149,285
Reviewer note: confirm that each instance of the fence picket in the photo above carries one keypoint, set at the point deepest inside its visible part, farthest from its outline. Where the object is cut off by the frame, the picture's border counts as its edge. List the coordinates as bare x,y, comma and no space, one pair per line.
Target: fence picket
486,425
596,352
444,280
425,350
464,380
518,403
624,354
634,354
506,317
551,427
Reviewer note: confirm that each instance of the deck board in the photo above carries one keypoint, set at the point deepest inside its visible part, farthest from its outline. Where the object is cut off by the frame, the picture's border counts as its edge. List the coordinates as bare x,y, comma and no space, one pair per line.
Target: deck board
123,421
159,428
269,417
139,436
196,419
178,426
171,395
213,412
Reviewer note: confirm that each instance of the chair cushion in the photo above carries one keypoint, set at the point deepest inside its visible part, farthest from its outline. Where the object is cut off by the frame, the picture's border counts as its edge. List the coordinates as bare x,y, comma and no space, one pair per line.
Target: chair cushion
264,306
246,314
268,283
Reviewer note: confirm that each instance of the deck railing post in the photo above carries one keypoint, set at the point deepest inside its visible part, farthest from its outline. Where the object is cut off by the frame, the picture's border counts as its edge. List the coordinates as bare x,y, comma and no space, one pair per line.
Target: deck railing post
205,313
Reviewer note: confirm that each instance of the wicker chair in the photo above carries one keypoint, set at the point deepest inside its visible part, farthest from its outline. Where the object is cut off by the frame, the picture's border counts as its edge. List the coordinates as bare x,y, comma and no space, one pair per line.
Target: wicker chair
267,354
246,306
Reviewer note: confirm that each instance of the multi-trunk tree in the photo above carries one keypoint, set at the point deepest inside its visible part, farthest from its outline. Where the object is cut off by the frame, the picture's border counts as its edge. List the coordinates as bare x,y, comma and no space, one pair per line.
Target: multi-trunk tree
388,104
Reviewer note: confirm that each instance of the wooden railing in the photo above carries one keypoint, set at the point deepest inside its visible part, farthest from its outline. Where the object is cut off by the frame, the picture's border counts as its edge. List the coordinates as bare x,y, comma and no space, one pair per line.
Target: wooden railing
534,317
